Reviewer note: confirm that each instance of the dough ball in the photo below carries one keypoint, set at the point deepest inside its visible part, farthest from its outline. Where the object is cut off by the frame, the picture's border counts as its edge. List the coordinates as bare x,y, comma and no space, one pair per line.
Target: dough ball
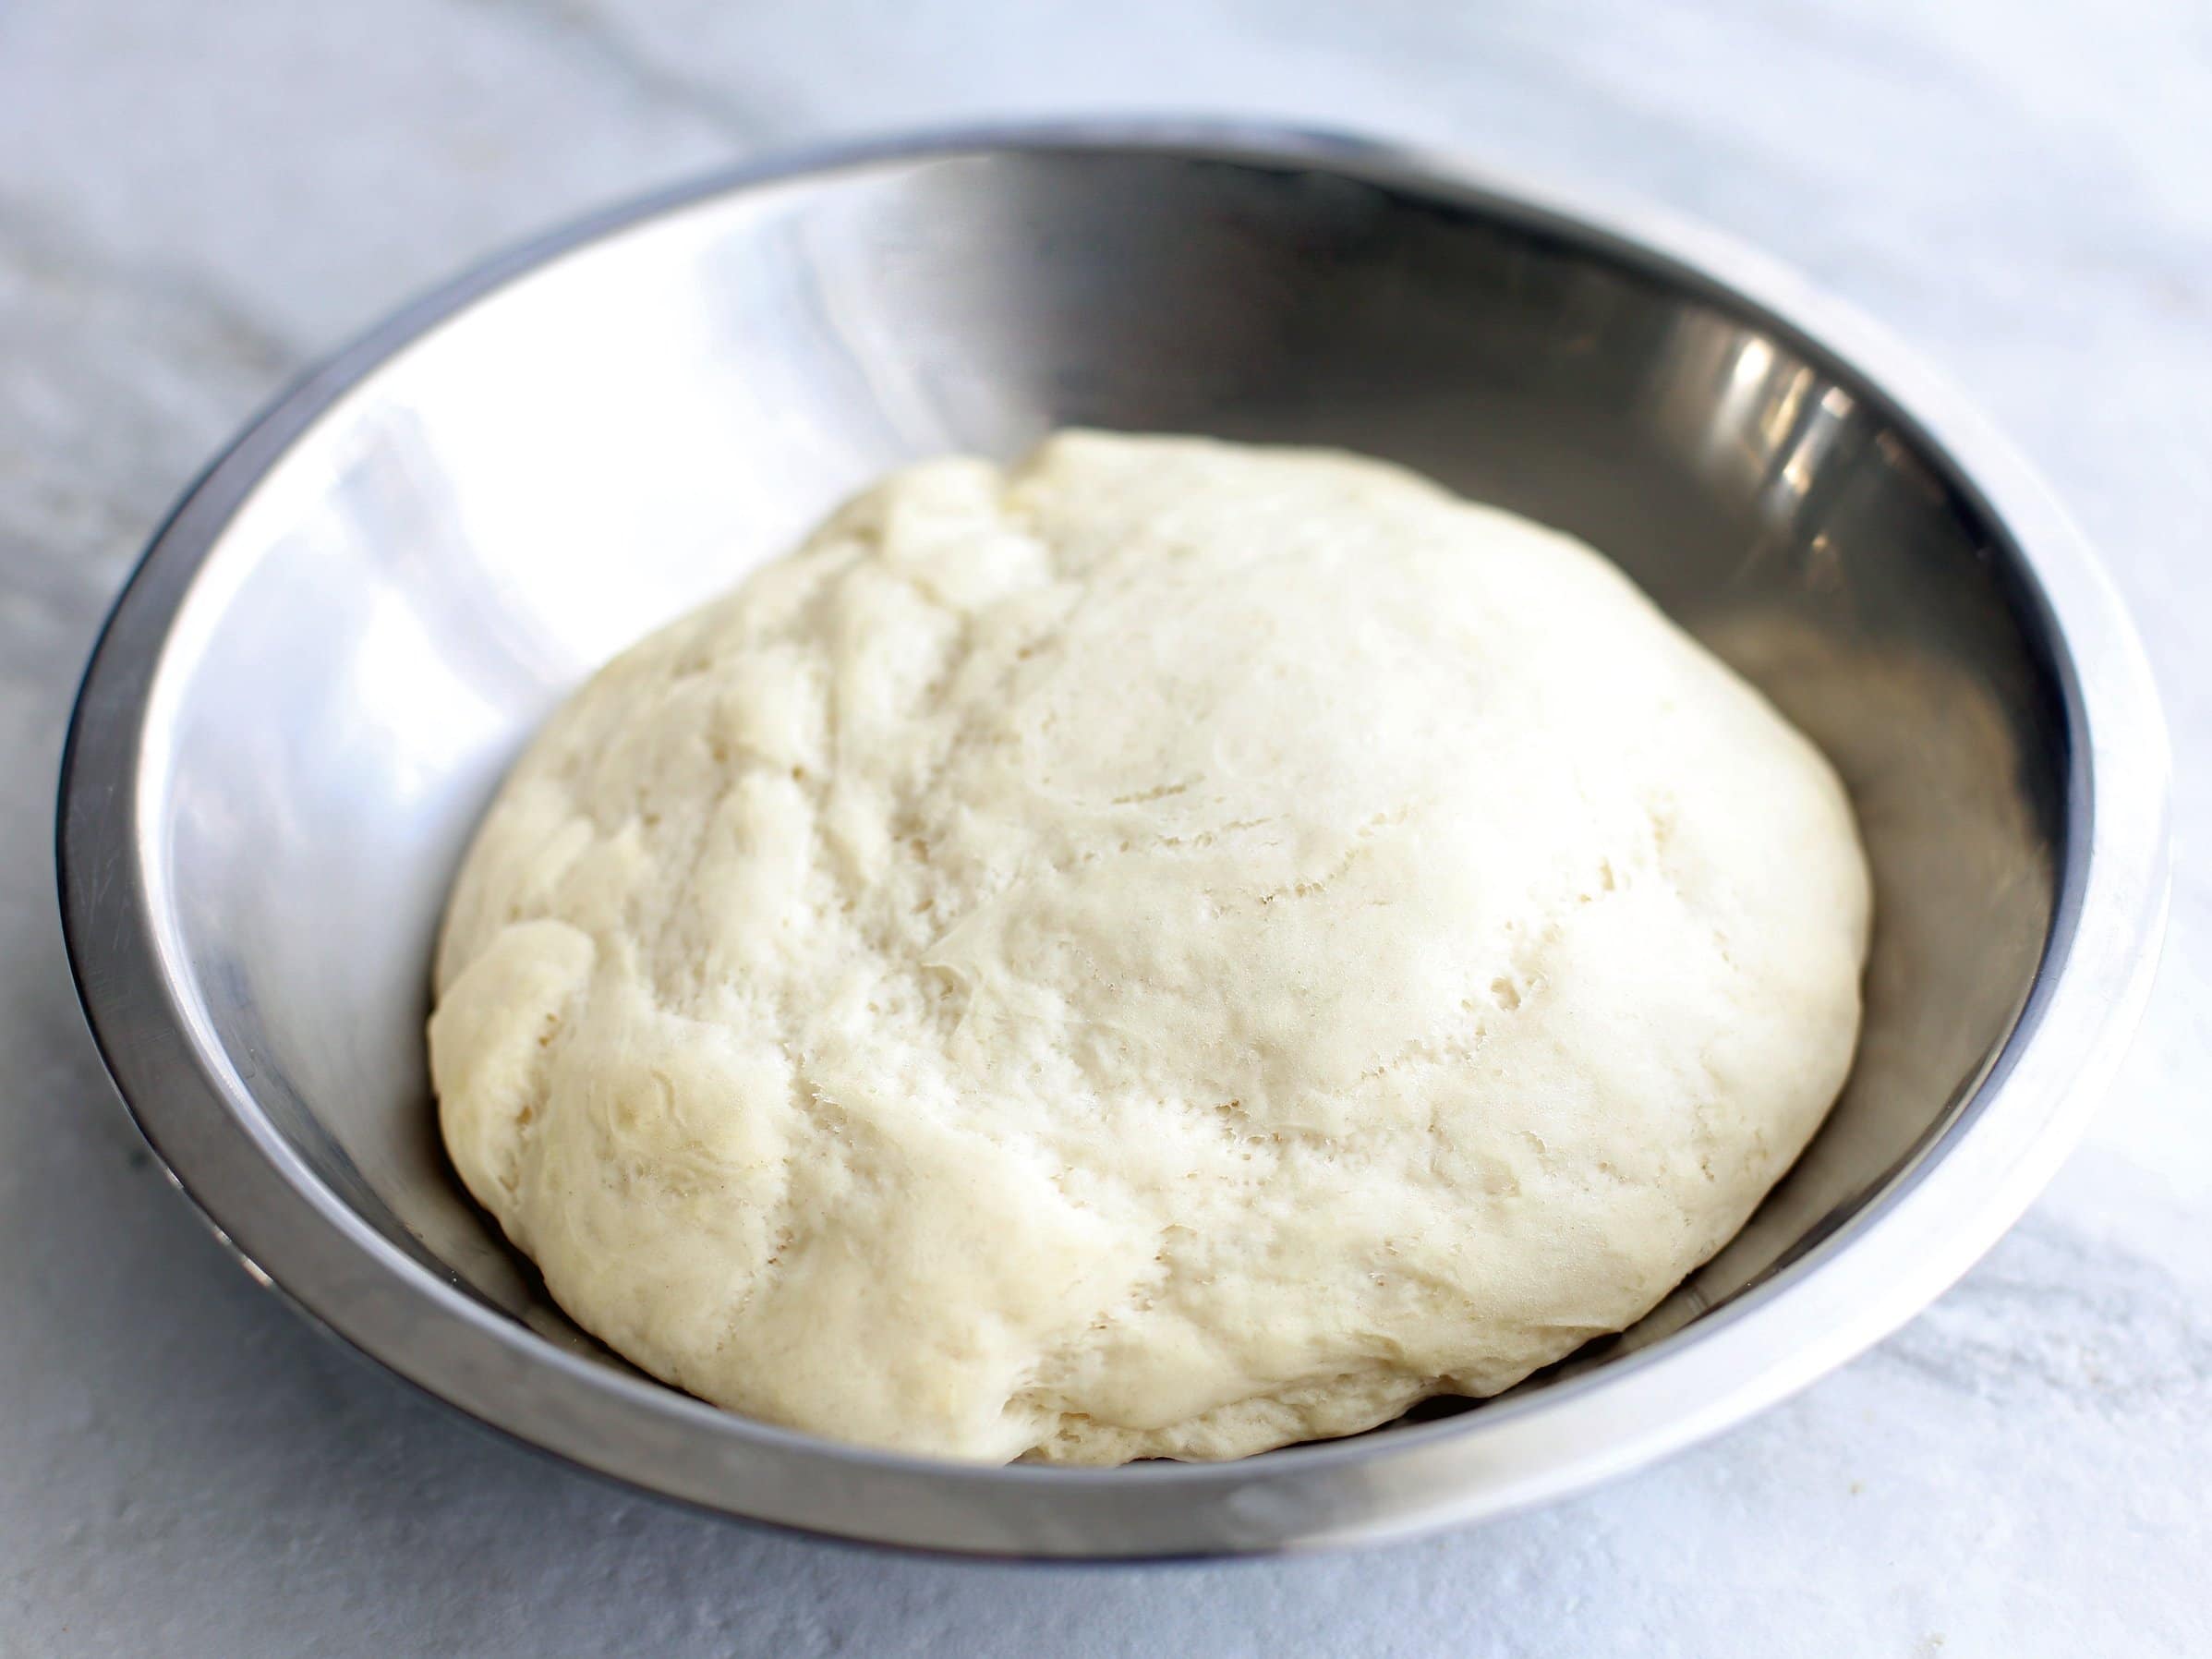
1165,951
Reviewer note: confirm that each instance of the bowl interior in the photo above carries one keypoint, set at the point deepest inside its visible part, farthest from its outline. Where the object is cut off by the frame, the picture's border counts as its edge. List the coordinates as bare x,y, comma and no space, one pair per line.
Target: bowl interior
613,438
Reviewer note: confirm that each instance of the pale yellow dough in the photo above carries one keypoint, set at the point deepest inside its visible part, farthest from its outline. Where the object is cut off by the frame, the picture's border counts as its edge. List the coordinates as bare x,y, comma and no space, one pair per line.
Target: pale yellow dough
1168,950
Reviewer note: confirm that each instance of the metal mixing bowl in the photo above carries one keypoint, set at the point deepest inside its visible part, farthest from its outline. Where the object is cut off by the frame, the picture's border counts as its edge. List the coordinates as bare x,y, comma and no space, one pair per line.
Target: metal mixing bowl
313,682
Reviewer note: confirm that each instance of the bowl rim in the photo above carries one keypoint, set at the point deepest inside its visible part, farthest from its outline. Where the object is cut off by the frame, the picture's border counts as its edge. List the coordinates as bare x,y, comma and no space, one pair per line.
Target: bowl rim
1900,1250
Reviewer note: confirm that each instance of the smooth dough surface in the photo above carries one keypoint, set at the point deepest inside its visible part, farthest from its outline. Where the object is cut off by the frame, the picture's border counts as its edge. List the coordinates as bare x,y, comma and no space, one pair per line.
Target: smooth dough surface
1168,950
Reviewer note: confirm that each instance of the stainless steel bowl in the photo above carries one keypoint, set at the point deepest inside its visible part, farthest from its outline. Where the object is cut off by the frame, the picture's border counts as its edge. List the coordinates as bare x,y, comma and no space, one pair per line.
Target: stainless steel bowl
315,678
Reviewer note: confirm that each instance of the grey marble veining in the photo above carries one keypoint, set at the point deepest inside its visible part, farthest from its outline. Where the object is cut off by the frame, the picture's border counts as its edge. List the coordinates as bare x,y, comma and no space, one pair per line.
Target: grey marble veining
194,203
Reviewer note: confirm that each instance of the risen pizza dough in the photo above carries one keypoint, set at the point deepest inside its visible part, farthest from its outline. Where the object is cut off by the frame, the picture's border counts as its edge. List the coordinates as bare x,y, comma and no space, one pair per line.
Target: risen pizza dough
1169,951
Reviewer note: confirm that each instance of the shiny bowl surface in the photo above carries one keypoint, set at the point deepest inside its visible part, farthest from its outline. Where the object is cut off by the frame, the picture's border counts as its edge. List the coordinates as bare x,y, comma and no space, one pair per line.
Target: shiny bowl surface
330,653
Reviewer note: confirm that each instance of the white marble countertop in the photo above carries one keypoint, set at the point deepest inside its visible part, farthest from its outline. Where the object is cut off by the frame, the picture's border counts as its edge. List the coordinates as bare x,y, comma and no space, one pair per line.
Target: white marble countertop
195,201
